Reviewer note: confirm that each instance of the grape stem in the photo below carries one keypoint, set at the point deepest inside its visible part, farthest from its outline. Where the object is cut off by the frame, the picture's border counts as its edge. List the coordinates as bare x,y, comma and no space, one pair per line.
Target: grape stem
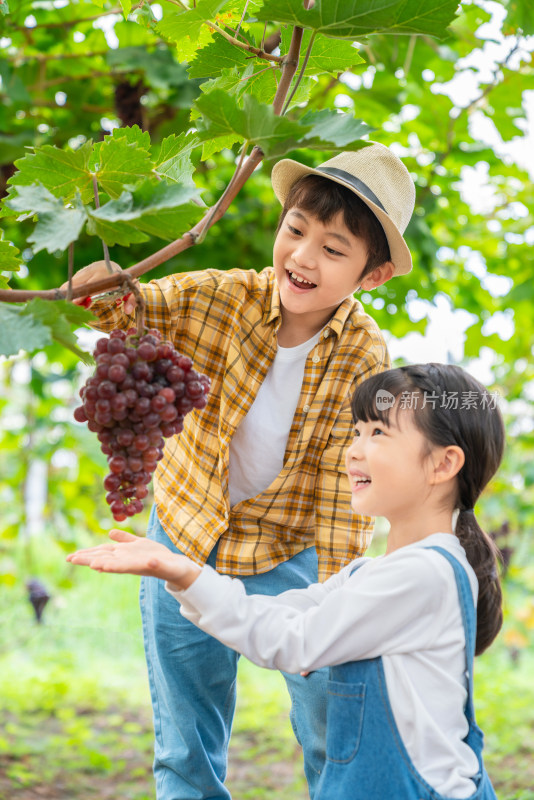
104,245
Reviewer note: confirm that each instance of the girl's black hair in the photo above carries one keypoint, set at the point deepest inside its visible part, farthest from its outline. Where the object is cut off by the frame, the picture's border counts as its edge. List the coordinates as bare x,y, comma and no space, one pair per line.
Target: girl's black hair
450,407
324,199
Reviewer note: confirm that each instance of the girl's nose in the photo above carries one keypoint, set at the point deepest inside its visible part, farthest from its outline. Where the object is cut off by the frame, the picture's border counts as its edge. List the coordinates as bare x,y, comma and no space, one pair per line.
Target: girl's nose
354,451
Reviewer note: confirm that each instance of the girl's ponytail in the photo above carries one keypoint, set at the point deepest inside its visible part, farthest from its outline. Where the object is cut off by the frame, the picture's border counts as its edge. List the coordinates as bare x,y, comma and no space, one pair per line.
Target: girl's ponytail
483,556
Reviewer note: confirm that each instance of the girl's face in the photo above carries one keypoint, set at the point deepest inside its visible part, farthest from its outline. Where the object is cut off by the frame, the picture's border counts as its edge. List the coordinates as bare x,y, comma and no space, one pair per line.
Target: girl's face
388,468
317,265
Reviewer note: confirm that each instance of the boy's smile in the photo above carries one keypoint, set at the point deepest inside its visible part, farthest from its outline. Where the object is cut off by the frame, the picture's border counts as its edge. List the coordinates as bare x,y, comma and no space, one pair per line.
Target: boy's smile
299,282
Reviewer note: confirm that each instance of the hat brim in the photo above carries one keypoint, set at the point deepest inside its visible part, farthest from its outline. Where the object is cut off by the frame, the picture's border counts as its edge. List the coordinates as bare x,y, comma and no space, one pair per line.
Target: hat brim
286,172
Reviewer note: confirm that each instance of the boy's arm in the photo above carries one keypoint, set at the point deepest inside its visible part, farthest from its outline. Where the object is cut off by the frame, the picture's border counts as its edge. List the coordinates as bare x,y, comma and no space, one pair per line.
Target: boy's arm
136,555
112,312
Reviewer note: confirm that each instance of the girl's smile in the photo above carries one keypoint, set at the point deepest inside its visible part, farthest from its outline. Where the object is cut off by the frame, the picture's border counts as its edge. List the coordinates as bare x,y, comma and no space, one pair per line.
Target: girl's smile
359,480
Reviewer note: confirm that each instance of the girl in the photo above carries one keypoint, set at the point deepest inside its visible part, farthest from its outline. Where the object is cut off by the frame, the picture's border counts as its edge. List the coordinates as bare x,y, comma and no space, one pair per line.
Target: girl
399,631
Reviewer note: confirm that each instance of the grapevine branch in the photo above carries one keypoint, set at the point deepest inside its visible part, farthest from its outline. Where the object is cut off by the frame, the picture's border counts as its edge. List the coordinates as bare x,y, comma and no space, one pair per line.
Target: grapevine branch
243,171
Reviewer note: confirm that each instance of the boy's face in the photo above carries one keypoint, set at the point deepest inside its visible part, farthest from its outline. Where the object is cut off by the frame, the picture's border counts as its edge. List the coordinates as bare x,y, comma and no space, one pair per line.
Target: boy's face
318,265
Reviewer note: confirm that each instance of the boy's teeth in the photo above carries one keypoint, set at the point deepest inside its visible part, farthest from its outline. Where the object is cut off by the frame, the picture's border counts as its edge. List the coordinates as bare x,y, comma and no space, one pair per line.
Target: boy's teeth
300,280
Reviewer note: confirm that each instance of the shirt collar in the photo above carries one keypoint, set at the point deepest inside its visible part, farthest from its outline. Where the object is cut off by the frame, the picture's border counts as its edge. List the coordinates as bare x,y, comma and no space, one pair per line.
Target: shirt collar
339,320
272,311
336,324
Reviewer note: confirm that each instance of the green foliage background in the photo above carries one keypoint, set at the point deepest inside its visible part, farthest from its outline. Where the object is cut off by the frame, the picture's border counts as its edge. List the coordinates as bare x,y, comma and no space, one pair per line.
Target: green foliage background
155,102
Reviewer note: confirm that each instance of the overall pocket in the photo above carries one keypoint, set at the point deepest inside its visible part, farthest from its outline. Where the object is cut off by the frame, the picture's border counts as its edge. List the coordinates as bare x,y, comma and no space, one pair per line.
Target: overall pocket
344,720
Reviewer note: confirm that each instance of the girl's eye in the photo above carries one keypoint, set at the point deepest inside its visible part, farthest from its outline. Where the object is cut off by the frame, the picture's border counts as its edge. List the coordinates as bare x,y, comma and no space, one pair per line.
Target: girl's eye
293,230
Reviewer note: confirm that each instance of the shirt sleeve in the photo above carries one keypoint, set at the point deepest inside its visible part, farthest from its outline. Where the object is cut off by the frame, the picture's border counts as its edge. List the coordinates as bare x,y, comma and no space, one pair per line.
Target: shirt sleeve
379,610
341,535
159,296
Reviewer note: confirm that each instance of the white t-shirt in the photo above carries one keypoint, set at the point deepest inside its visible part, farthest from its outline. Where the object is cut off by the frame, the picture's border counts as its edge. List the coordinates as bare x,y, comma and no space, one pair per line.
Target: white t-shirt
258,446
403,606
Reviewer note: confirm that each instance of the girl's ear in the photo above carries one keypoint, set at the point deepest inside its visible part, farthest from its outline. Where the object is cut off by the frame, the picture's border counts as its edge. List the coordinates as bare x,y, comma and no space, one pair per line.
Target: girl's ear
446,463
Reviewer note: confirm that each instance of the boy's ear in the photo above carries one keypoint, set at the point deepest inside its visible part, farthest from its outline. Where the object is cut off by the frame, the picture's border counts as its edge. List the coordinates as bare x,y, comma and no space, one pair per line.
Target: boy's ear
378,276
446,463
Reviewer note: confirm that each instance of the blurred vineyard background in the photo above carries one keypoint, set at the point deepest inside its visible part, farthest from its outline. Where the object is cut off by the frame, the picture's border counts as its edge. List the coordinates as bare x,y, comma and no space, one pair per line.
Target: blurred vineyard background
74,706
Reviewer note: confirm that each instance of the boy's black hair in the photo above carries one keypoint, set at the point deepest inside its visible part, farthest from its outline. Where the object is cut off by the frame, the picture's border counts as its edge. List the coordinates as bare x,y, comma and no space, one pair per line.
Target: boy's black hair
449,407
324,198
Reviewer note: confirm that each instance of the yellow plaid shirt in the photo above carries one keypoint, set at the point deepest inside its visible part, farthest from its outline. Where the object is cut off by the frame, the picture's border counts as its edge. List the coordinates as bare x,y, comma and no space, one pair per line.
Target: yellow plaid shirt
226,321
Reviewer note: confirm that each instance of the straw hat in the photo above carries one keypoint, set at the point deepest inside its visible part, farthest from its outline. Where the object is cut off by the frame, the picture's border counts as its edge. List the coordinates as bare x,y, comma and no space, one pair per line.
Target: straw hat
378,177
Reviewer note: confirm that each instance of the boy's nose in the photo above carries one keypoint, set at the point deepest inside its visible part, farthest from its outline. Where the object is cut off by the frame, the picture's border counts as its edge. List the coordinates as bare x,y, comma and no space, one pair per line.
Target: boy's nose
305,255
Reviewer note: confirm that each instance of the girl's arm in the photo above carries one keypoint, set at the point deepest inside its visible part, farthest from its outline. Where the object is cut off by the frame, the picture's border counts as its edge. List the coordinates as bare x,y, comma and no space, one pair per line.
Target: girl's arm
398,606
137,555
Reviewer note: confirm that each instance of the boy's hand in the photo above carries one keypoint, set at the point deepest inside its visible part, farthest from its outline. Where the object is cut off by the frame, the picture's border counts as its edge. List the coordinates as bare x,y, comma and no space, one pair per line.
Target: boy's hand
137,555
97,270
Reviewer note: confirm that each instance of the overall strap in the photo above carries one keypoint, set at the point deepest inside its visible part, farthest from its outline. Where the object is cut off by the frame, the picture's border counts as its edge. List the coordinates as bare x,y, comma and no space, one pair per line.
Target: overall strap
468,609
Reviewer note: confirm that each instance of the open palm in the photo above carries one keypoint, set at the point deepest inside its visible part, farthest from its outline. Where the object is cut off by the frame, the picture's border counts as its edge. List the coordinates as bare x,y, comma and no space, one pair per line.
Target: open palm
136,555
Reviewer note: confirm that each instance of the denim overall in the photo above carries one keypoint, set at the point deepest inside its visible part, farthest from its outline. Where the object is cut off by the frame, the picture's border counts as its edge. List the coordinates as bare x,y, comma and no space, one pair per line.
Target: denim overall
366,757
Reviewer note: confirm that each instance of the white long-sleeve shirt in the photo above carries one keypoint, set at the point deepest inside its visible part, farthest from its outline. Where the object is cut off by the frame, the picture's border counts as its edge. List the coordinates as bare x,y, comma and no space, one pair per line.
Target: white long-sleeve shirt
403,607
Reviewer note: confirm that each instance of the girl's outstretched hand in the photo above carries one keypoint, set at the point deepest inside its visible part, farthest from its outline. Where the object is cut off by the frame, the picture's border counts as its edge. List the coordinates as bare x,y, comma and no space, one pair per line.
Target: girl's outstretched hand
137,555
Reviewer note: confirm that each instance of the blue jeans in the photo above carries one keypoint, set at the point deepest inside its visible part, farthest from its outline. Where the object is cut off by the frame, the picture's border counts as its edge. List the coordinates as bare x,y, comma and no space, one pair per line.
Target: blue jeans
192,680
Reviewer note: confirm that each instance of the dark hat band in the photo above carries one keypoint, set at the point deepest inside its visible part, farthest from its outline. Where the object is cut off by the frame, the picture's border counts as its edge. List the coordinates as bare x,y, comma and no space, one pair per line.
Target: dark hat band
356,183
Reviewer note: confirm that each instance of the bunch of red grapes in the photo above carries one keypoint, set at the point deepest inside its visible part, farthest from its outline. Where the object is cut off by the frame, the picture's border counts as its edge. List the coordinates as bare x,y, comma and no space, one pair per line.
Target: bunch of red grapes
138,395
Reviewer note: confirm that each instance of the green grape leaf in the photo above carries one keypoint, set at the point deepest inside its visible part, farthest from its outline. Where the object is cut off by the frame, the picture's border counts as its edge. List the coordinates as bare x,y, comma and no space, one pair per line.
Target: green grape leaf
170,224
157,208
217,56
187,29
519,18
326,56
59,317
9,258
21,333
126,6
121,163
256,122
213,146
57,225
4,8
173,160
133,135
333,130
62,172
113,233
149,198
256,80
353,19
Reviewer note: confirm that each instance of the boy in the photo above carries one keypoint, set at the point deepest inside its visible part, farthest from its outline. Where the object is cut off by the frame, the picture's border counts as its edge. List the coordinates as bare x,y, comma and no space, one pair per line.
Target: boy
254,485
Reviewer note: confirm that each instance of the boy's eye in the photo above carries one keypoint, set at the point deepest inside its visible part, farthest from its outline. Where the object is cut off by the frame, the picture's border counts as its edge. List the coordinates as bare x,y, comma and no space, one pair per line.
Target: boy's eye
293,230
377,430
332,252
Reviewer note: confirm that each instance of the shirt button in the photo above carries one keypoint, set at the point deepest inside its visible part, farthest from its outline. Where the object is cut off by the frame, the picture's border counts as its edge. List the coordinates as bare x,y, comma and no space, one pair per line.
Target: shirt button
306,409
226,515
326,334
316,359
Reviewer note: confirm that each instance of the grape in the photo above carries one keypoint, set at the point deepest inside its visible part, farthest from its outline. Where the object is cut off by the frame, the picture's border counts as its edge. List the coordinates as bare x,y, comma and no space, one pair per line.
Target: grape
116,372
137,397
